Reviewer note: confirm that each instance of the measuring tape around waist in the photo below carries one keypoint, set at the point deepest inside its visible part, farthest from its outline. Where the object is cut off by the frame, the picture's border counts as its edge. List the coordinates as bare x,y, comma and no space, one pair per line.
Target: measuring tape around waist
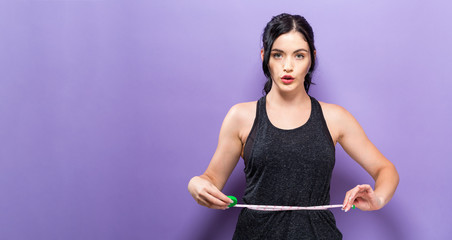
281,208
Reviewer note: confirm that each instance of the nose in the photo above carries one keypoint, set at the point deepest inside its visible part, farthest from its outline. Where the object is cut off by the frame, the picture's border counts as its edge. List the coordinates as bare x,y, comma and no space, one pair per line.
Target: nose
288,66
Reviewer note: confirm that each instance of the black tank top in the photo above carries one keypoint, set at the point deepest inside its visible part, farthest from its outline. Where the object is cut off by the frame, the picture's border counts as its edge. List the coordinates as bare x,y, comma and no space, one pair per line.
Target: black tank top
291,168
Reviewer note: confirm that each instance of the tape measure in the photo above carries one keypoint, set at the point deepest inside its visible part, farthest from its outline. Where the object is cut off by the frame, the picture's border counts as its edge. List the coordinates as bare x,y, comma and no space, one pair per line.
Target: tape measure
281,208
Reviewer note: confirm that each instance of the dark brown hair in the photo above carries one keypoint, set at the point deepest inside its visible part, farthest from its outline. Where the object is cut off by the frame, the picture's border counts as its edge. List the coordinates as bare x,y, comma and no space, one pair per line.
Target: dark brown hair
281,24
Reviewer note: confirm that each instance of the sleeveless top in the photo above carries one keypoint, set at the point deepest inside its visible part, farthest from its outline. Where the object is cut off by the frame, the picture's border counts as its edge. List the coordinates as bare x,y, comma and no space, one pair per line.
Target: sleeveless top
291,168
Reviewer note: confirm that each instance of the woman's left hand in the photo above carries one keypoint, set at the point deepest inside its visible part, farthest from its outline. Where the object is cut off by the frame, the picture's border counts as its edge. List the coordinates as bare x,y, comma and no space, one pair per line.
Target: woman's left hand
363,197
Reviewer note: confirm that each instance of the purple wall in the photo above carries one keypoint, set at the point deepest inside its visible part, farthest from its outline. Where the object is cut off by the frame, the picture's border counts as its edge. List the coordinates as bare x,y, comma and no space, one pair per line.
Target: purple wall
108,108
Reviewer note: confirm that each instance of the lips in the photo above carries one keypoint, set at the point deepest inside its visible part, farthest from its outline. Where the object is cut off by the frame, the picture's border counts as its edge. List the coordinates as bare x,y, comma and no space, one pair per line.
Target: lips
287,79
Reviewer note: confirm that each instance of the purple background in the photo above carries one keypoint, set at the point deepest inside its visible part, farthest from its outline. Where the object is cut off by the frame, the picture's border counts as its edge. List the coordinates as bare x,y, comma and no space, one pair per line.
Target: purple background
108,108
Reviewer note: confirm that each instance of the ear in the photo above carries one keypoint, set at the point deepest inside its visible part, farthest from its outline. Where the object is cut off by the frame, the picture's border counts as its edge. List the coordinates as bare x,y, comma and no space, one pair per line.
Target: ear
315,54
262,54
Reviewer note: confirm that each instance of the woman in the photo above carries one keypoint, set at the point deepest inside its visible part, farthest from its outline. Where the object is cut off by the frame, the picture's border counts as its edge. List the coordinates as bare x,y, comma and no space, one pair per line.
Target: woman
287,140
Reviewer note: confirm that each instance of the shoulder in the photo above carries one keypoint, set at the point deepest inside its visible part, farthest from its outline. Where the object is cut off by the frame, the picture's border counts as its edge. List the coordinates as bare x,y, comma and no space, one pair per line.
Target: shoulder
244,107
341,119
334,111
239,119
242,112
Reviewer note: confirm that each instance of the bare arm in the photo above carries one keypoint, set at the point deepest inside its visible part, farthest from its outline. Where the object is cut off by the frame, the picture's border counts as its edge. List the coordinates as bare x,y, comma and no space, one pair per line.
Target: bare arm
354,141
206,189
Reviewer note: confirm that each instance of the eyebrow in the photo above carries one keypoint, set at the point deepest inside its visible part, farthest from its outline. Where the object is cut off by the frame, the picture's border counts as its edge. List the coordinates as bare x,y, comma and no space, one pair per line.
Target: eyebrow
298,50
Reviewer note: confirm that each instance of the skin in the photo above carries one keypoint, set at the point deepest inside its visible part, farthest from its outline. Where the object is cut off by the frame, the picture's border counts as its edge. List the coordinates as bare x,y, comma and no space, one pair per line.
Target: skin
288,107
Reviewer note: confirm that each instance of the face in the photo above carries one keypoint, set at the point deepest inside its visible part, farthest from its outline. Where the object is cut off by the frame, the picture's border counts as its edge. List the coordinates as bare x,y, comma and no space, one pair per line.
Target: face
290,60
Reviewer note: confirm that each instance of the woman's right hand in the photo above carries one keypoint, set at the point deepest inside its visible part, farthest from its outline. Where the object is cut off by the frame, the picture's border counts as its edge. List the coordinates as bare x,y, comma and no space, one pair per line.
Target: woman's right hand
206,194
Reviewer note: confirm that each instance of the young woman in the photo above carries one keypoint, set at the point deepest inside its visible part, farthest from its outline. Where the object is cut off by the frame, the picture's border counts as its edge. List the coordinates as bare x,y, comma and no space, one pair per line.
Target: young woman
287,140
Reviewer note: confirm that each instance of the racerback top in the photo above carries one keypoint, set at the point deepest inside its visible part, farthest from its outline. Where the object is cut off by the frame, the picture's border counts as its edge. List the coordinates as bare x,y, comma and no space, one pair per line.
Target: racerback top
290,168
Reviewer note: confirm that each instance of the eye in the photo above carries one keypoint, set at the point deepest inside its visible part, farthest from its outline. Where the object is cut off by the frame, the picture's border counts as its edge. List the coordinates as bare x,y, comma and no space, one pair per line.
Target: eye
277,55
299,56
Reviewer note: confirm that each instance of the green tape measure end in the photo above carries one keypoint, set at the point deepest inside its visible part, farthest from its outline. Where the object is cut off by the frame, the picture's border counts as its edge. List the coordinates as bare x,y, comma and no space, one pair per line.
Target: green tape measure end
234,199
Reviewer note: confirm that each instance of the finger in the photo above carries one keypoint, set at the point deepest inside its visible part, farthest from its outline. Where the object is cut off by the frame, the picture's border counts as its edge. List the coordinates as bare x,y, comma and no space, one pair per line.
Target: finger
360,191
347,198
215,202
363,195
219,195
365,192
367,187
355,193
344,204
209,205
202,202
351,197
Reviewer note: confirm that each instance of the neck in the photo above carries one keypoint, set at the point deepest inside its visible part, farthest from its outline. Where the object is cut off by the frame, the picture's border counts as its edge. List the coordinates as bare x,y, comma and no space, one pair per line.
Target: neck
293,98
